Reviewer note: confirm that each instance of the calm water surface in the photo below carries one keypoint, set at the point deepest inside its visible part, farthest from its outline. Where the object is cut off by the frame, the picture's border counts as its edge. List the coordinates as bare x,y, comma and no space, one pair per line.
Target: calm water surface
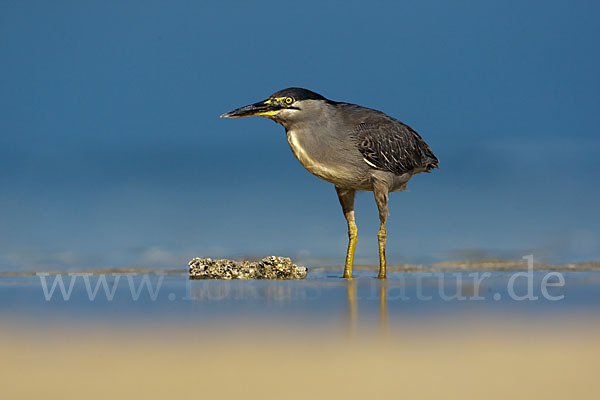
322,298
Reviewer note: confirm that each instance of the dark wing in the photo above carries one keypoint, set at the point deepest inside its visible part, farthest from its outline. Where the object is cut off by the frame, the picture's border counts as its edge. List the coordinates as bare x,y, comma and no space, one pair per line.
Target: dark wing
388,144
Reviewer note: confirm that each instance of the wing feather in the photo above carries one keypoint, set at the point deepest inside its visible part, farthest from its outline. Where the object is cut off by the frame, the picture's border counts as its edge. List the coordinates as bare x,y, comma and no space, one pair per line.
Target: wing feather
389,145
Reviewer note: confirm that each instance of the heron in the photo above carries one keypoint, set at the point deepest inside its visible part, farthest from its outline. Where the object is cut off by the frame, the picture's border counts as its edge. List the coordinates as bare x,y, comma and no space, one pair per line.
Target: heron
353,147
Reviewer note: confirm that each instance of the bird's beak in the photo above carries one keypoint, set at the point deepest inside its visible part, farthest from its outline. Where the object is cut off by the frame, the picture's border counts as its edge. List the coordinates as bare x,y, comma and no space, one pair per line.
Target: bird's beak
262,109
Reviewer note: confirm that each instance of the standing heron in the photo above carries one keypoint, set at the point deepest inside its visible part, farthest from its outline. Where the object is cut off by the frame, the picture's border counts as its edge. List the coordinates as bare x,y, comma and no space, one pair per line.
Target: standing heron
353,147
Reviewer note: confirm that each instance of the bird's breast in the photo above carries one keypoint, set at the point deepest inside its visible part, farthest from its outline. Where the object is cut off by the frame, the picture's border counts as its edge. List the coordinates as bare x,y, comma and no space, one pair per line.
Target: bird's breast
318,158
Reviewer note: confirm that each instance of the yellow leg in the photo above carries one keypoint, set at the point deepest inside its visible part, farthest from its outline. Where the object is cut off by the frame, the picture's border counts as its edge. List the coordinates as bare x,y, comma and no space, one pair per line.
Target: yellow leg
346,197
382,236
352,237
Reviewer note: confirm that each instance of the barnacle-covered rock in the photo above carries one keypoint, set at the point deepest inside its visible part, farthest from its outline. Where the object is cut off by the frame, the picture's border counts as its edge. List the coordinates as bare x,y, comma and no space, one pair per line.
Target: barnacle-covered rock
272,267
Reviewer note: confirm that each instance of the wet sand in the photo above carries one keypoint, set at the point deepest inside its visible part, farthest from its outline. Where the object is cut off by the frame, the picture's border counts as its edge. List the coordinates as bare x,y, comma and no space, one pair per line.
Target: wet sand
492,360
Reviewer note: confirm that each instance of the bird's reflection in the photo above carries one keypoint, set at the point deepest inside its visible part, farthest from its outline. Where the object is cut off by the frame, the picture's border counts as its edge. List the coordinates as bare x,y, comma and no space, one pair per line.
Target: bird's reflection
352,307
352,296
383,316
312,297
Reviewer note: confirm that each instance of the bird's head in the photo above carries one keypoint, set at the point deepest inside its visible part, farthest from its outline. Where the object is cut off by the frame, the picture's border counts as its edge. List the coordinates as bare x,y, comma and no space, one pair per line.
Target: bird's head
283,106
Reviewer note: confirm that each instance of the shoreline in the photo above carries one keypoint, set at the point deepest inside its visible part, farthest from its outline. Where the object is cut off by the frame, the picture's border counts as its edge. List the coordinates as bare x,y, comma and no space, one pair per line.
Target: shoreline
446,266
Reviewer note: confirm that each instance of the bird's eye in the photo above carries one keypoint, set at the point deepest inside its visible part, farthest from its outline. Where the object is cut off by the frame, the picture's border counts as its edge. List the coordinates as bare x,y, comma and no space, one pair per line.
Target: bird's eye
289,100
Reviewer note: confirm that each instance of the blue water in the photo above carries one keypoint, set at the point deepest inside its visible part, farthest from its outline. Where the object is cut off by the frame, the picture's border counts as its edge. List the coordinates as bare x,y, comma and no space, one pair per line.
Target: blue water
322,298
112,152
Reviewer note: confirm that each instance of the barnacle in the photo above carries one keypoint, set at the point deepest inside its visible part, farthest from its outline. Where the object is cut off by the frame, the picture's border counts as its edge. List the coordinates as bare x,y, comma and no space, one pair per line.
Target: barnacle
272,267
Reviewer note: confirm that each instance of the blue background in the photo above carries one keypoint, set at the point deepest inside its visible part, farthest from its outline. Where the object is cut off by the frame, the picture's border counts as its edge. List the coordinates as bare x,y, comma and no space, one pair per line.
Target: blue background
112,152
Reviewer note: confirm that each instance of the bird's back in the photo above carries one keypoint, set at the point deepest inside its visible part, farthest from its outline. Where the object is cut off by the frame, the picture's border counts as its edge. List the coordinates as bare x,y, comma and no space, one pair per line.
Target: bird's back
387,144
